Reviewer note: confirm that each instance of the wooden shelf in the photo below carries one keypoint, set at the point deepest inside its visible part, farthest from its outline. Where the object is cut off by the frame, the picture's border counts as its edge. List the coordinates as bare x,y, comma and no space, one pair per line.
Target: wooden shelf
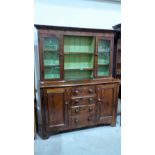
48,50
103,64
103,52
70,69
51,65
78,53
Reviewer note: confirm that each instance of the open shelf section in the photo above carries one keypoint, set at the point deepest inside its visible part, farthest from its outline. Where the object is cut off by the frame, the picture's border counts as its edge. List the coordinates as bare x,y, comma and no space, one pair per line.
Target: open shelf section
81,44
78,57
79,75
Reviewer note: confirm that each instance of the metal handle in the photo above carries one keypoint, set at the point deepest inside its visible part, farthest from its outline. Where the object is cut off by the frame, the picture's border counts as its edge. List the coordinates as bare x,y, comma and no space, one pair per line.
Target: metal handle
66,102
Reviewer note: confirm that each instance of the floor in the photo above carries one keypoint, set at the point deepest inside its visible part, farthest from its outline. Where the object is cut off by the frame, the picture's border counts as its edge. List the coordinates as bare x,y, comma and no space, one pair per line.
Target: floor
103,140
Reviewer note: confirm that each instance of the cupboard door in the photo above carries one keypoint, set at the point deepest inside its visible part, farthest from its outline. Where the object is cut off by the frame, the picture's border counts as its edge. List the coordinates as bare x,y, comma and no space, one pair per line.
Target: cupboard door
51,55
104,57
56,110
106,103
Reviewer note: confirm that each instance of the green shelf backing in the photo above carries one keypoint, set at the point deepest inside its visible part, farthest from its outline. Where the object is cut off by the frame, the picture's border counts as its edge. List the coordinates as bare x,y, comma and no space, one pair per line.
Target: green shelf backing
78,54
103,70
78,75
52,73
78,61
78,44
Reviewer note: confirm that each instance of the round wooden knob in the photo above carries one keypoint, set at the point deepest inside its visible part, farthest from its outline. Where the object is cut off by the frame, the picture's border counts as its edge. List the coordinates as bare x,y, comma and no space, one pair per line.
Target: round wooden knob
76,101
90,90
76,110
90,109
90,99
76,91
99,100
89,118
76,120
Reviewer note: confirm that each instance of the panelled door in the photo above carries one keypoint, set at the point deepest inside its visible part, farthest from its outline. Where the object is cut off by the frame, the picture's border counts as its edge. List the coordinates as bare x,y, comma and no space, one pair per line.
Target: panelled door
56,109
106,102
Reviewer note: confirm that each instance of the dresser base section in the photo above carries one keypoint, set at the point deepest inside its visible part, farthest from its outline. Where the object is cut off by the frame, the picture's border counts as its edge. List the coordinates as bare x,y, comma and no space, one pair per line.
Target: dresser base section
46,134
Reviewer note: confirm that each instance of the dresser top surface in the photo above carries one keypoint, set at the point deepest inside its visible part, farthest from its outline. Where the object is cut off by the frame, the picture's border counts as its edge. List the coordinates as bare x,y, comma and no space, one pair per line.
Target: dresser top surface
50,84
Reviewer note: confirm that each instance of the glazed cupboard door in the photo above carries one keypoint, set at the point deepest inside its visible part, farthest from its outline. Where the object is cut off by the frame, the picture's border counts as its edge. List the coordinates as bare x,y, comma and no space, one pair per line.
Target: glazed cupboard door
104,57
107,103
56,110
51,56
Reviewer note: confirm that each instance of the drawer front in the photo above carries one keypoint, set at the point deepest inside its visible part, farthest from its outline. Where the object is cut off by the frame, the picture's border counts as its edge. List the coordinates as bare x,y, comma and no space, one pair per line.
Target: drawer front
82,121
75,101
83,110
83,90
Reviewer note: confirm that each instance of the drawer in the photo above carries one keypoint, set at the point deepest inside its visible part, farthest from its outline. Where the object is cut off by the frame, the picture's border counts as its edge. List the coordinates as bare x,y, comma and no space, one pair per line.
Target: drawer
83,110
75,101
82,121
83,90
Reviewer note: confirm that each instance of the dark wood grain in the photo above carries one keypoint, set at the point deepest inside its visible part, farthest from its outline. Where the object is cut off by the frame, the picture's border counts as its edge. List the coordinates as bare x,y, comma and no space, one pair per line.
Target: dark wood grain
74,104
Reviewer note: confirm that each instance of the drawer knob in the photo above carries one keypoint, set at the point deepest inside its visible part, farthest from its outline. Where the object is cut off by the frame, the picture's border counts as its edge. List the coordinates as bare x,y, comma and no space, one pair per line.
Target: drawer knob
76,91
90,90
90,99
76,101
90,108
89,118
99,100
76,110
76,120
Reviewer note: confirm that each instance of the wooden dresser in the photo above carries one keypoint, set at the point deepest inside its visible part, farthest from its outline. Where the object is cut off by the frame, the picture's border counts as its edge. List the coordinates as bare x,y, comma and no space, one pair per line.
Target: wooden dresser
75,84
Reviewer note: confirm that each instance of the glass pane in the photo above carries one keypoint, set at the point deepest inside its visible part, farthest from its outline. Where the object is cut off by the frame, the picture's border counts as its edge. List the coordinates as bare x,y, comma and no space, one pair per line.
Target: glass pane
103,51
78,57
103,57
52,72
103,71
50,43
51,57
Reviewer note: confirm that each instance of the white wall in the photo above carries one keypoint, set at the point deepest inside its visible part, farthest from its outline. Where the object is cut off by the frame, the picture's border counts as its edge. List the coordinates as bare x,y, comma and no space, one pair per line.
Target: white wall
77,13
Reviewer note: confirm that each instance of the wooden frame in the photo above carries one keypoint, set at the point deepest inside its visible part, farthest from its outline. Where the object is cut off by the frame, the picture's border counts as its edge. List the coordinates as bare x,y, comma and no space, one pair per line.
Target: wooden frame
71,104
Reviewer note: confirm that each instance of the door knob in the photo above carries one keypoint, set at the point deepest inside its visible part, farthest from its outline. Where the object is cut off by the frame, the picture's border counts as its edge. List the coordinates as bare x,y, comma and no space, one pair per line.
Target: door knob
76,110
